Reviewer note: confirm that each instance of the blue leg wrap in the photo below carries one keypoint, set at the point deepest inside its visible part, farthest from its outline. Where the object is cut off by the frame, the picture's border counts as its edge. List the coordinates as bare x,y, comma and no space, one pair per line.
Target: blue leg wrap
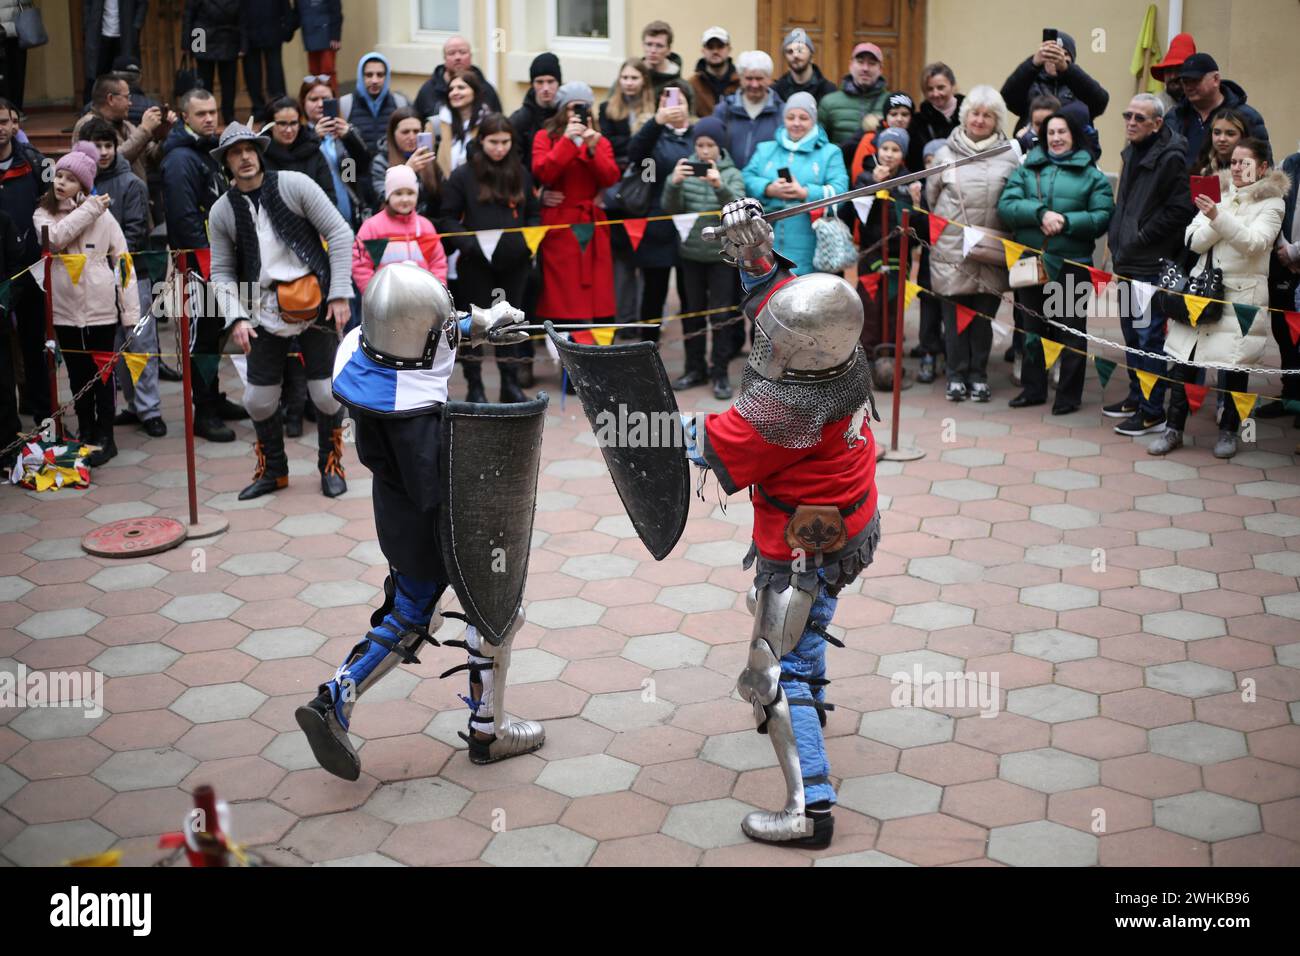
807,664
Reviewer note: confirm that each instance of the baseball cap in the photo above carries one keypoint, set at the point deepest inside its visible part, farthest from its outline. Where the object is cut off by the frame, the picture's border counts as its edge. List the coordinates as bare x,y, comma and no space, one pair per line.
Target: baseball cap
868,48
1197,65
715,33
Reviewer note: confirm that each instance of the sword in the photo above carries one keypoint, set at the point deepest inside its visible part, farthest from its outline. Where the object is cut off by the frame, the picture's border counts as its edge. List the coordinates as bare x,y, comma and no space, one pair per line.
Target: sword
713,233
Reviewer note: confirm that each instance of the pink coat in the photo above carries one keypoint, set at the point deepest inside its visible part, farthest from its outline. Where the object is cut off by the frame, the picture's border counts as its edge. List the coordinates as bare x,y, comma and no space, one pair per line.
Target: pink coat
410,237
98,297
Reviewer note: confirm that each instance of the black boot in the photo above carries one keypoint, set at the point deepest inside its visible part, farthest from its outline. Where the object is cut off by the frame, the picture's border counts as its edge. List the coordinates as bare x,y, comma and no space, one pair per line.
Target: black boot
510,390
474,379
295,397
272,472
107,450
329,457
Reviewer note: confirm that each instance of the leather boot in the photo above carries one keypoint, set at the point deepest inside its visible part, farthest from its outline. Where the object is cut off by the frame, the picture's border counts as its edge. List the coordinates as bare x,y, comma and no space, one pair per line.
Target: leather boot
510,390
272,472
329,457
295,397
474,379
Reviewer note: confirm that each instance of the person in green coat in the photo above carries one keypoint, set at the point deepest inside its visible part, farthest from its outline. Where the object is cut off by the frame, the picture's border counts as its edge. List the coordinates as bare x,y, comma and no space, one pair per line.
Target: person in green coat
1058,201
863,90
707,282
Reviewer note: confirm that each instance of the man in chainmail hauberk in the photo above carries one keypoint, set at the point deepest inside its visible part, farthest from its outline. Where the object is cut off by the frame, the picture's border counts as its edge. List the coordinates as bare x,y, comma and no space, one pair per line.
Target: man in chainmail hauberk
799,439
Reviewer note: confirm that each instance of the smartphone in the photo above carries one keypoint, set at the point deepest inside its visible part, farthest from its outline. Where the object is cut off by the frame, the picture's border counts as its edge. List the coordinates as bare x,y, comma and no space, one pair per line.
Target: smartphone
1207,186
1050,35
674,96
784,173
330,108
699,169
424,141
583,112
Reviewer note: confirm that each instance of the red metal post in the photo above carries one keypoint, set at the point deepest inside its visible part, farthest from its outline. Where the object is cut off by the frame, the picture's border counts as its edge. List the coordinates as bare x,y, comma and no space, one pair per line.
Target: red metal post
187,389
904,267
50,363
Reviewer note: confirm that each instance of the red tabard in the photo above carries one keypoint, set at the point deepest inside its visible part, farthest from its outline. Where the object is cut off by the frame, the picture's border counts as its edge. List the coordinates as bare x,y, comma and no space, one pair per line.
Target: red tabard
829,473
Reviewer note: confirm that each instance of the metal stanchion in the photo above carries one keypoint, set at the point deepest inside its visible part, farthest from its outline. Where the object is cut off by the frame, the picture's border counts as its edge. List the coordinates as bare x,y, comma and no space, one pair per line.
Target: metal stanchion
210,524
895,453
51,363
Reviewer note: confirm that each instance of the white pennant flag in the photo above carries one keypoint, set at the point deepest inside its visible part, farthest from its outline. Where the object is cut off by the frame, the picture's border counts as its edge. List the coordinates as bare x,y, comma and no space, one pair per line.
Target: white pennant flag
1142,293
684,221
487,241
970,237
863,205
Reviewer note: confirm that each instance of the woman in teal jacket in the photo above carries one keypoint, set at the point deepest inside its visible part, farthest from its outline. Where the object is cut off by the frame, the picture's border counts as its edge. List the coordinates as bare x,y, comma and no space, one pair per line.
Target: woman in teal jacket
816,170
1058,201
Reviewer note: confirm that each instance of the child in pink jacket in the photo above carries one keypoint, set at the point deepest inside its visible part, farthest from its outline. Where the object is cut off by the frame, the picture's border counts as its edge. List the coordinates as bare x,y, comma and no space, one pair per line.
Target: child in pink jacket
410,236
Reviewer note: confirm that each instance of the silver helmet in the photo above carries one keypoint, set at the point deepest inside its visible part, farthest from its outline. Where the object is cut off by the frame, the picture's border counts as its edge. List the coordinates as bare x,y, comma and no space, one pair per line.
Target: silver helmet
807,330
404,312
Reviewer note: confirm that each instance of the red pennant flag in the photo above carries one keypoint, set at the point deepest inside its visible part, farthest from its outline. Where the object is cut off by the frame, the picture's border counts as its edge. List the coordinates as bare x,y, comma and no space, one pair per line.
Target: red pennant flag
965,315
870,283
937,224
103,362
1195,396
1293,323
1099,279
635,229
203,261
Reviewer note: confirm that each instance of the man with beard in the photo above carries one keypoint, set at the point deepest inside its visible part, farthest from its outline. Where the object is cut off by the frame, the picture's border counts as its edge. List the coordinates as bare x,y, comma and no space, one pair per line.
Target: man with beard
804,76
715,76
863,90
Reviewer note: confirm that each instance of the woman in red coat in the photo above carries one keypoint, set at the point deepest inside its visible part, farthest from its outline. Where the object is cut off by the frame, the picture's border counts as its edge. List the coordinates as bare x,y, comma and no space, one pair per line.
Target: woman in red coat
571,158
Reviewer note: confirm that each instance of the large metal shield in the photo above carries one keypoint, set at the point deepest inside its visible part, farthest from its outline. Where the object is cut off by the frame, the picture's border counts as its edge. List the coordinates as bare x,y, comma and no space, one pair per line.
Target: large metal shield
490,458
625,392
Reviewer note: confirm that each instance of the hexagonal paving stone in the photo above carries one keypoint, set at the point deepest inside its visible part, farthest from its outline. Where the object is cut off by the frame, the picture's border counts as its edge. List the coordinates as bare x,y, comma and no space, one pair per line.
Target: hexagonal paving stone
1058,556
889,796
1042,843
1049,770
933,615
1279,562
563,612
741,750
1167,504
1190,679
575,468
55,549
945,570
1166,470
1052,703
973,457
598,567
70,622
53,723
11,781
145,769
625,711
1283,605
1184,625
120,510
718,554
1059,597
556,501
1288,655
1272,490
130,659
16,522
417,801
337,593
1178,579
902,666
862,858
309,525
1067,479
1207,816
259,563
549,845
127,577
1173,539
203,705
964,489
1069,448
1199,743
616,526
13,587
368,553
707,824
53,844
907,727
200,607
1056,645
695,598
532,665
588,776
281,642
664,651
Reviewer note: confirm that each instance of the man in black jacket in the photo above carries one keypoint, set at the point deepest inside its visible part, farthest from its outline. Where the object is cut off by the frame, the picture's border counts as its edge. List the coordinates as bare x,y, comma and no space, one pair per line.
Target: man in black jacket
265,26
803,76
455,59
1204,92
539,103
1153,206
1053,70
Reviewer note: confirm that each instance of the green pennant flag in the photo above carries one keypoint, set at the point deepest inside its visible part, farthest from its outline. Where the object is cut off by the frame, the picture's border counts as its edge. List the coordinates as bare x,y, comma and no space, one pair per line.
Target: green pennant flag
583,231
1245,316
1031,338
1291,405
151,265
1105,369
1053,265
375,248
206,365
4,295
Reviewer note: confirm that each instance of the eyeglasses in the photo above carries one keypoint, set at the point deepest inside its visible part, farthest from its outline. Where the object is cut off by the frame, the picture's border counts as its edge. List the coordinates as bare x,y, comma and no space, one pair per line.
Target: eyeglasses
320,78
1133,117
287,124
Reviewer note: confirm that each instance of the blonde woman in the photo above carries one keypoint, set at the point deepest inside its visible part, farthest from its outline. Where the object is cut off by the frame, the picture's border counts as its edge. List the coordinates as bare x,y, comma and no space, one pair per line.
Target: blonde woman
631,102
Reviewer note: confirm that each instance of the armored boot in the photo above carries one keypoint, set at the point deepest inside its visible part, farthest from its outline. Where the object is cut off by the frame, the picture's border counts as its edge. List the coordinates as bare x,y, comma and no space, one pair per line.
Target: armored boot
329,454
272,471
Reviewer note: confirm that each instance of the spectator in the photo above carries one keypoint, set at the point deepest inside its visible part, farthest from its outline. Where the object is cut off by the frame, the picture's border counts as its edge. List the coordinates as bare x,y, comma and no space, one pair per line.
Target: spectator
21,184
665,140
266,234
10,423
456,59
112,29
87,313
294,146
715,75
544,79
937,116
194,183
128,68
708,283
220,46
575,160
411,237
1205,92
898,115
493,191
110,101
803,75
13,57
630,105
401,145
1053,69
322,32
1153,206
931,346
1283,279
1079,113
1180,48
339,143
1227,129
969,194
267,25
1059,201
1042,106
664,65
752,114
130,207
863,90
816,169
1240,231
369,108
459,120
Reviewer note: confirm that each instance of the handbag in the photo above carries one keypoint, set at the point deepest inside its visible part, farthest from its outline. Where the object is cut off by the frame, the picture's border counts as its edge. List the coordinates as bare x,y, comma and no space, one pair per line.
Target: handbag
1176,281
989,249
30,28
186,78
1028,272
835,250
299,300
631,195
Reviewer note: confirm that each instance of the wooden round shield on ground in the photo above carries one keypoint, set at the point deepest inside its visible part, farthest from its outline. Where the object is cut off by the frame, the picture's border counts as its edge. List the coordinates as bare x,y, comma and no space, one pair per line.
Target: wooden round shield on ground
133,537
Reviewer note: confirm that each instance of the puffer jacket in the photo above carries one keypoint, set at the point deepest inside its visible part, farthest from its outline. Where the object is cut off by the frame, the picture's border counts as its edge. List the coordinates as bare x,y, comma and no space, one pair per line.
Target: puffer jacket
694,194
1028,81
840,113
658,247
1241,236
98,298
968,195
1075,188
743,133
130,201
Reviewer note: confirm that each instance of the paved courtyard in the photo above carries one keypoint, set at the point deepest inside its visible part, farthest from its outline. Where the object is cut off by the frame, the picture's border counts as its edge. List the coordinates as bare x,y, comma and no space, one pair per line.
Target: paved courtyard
1141,618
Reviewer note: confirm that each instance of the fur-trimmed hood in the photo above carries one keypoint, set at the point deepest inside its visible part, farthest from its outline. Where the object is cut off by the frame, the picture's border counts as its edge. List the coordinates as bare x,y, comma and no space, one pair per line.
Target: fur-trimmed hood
1275,185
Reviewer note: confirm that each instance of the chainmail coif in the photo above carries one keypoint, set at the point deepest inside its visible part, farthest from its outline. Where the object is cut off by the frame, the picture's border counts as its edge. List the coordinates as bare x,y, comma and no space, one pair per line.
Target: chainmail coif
792,414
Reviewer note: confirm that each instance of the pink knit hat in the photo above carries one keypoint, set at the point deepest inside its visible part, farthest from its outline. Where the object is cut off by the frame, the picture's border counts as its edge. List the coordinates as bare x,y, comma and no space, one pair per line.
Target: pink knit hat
83,163
399,177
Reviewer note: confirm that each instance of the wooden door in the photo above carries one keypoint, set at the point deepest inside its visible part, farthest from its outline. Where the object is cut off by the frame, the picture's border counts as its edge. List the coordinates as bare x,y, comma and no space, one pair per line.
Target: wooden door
896,26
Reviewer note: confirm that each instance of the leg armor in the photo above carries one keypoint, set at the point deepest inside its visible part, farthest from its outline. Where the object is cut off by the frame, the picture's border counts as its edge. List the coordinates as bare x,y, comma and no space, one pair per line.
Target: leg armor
488,664
408,617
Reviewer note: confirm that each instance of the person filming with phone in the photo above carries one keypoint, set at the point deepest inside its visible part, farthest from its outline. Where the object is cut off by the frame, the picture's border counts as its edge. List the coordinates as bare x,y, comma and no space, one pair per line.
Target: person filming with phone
1053,70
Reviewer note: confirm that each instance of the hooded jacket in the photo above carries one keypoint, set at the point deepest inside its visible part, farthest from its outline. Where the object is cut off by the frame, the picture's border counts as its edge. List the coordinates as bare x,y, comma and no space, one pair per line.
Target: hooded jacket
526,121
433,94
411,238
1153,205
744,134
817,85
694,194
194,183
840,113
369,114
1074,187
21,187
1187,122
1028,81
130,201
302,156
97,298
708,89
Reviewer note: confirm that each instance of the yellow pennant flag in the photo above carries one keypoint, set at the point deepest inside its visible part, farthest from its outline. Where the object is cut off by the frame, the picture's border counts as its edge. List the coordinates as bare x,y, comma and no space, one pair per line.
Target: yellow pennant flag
74,263
1245,403
1051,352
135,363
1147,381
126,266
603,336
910,291
533,235
1012,250
1195,306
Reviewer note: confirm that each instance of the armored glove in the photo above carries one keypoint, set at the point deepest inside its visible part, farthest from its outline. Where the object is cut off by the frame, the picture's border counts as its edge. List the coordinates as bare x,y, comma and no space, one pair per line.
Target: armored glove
494,325
746,236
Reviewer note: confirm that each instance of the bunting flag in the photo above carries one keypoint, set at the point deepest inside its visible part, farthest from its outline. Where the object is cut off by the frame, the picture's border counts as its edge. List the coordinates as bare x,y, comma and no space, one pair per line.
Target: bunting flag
1245,403
203,262
863,206
1051,352
533,235
1195,306
635,229
150,265
1293,323
487,241
135,363
603,336
870,282
240,362
1013,251
1147,381
206,365
104,363
685,221
910,291
1195,396
1053,265
1245,315
375,249
1099,279
937,226
1291,405
1031,338
970,237
1105,369
74,263
1142,293
5,289
583,231
125,266
965,315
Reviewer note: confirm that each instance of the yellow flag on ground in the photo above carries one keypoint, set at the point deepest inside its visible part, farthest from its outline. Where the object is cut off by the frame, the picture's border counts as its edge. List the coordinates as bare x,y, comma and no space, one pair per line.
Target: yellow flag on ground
74,263
1012,251
1147,381
1195,306
135,363
1051,352
1245,403
533,235
603,336
910,291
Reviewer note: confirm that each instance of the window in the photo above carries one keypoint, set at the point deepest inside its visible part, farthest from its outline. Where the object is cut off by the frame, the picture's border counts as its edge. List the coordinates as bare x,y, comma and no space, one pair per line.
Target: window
588,19
440,16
